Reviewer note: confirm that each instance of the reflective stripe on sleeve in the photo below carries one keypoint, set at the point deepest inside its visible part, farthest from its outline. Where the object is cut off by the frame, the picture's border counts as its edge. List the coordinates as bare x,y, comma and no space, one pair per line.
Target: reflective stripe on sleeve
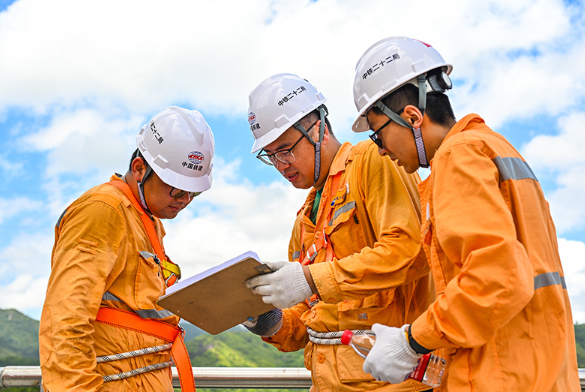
144,313
153,313
549,279
513,169
110,297
296,255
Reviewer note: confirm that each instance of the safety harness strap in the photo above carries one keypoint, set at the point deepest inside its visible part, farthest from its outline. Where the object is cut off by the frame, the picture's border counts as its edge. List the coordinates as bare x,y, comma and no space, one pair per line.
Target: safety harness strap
171,271
307,256
165,331
332,338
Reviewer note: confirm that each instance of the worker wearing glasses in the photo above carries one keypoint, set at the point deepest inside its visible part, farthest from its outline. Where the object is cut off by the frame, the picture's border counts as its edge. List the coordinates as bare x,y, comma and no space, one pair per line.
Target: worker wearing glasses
355,250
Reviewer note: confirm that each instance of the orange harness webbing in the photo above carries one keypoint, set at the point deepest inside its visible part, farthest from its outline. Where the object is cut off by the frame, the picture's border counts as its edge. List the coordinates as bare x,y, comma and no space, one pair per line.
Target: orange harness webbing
165,331
171,278
321,242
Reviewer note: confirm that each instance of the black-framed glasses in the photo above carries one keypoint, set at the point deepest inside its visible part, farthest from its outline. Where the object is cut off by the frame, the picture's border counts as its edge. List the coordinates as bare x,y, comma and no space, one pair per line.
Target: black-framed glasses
178,193
284,156
375,136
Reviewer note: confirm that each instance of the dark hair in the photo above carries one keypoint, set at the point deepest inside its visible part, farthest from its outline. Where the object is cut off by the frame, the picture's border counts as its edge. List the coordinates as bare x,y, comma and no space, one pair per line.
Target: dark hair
438,106
136,154
313,117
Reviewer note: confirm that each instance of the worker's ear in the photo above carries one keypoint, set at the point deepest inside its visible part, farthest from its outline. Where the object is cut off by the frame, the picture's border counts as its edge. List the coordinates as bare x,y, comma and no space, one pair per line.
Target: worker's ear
413,115
315,134
138,168
326,133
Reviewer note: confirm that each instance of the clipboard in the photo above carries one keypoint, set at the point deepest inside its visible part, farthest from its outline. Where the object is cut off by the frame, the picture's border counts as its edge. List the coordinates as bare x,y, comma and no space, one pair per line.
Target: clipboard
218,299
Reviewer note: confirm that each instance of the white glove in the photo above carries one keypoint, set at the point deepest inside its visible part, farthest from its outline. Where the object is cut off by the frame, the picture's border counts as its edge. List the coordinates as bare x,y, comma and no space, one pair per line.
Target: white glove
391,359
284,287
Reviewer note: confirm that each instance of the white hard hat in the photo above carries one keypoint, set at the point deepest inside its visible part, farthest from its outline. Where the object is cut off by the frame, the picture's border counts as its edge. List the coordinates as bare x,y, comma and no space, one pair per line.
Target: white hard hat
277,104
388,65
178,145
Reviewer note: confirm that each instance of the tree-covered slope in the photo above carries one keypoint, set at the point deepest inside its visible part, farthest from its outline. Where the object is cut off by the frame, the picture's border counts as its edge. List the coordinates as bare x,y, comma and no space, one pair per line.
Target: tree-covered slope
580,338
239,349
18,339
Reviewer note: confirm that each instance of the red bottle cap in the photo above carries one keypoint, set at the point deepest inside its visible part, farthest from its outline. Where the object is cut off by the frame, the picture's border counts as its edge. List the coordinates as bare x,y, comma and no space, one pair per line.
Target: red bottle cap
346,337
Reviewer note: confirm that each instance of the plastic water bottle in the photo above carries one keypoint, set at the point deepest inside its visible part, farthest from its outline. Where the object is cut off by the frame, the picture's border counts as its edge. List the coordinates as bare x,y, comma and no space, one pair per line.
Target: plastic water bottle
430,368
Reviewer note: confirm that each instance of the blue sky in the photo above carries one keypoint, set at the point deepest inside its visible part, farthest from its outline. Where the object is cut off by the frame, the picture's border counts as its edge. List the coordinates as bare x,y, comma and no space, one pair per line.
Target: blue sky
77,85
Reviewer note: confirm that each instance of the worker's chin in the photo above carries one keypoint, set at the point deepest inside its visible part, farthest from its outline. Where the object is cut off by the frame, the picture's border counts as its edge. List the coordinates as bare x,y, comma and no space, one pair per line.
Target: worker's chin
167,213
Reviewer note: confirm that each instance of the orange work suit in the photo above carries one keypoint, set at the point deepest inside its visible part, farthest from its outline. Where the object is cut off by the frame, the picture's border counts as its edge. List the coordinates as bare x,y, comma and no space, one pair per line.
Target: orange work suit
379,273
502,313
97,262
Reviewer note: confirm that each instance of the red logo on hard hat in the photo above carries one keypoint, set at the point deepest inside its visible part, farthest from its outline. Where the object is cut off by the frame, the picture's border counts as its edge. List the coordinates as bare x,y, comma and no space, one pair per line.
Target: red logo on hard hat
424,43
196,157
251,118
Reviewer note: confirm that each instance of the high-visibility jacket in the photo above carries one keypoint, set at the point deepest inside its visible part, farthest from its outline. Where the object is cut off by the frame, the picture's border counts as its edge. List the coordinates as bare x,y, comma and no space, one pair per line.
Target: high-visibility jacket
102,257
502,313
378,273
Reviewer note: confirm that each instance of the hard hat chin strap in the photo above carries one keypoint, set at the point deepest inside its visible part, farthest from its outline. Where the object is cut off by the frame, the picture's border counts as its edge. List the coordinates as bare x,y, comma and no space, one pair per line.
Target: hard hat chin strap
416,132
141,189
317,145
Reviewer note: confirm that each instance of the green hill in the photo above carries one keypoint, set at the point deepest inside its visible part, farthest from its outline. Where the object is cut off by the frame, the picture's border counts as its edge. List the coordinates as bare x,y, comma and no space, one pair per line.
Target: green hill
580,339
239,349
19,343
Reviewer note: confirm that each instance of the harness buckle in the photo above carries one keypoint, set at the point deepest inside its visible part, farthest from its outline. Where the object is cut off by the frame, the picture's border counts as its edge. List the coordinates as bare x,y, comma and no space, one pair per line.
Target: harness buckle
312,253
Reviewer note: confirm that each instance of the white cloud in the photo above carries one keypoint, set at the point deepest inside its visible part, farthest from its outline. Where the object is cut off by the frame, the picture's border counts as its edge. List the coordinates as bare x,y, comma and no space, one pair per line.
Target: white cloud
561,155
574,268
13,207
26,293
27,254
10,169
211,54
24,272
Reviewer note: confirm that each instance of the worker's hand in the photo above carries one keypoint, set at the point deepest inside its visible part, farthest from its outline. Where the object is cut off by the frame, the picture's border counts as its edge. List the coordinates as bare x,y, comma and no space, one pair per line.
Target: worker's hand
266,324
391,359
283,288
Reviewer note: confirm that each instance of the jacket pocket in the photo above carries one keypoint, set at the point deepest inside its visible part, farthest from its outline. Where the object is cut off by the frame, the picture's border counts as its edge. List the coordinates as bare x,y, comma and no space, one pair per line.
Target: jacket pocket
344,229
309,356
149,283
350,365
341,215
377,308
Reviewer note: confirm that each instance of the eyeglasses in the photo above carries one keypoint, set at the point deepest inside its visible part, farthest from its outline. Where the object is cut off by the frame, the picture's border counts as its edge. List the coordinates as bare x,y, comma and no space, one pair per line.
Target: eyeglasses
376,138
178,193
284,156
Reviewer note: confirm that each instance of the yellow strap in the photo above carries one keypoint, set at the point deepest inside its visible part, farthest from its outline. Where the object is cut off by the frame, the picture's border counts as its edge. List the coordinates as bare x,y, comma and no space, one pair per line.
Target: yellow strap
169,268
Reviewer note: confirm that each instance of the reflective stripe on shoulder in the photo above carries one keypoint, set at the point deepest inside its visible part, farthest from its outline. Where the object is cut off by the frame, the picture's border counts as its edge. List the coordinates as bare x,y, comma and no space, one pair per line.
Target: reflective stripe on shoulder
61,218
147,255
549,279
513,169
296,255
344,208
